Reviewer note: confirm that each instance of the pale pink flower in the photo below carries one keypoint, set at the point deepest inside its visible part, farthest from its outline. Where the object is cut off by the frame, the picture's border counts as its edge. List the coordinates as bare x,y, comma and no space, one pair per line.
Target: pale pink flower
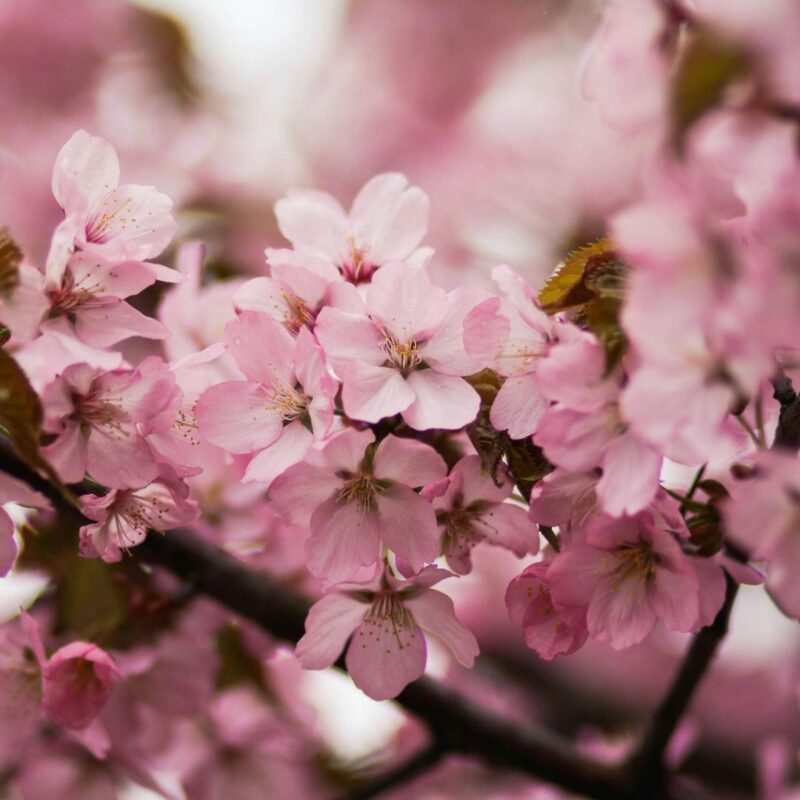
386,223
89,297
287,391
295,292
387,621
563,499
510,334
763,515
356,496
627,574
94,415
77,684
473,509
403,354
119,222
548,628
122,517
14,491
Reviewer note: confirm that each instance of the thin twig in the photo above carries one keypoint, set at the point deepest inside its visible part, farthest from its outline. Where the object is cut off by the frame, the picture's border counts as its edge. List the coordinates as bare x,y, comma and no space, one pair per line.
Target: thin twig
647,763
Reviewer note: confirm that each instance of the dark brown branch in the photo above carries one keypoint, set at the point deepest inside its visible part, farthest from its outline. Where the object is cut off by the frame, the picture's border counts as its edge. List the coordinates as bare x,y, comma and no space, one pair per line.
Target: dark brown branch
647,763
405,772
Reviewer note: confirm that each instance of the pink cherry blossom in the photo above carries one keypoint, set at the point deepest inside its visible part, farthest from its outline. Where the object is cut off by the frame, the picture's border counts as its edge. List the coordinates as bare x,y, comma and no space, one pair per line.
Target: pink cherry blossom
94,416
77,683
116,221
403,354
386,223
510,334
90,297
473,509
295,292
287,385
122,517
387,621
627,574
356,496
548,628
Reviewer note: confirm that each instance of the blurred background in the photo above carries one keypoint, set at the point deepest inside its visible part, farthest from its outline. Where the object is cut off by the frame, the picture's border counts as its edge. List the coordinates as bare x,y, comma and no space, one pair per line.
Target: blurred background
226,105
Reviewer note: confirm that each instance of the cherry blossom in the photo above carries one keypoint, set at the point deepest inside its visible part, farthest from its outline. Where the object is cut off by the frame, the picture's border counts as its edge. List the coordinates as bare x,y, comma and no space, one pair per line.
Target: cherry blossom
357,495
473,509
386,223
387,620
103,217
402,354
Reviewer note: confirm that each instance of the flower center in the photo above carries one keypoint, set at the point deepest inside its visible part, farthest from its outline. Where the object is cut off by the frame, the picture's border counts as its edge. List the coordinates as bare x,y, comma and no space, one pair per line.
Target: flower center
637,561
297,313
405,356
99,225
360,489
357,268
291,403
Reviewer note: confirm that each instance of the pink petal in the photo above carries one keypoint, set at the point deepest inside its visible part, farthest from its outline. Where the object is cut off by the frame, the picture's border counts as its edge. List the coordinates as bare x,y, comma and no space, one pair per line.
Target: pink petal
712,584
674,598
68,453
485,333
344,538
347,337
373,393
345,450
441,401
574,573
290,447
518,407
329,624
435,614
390,217
119,461
631,471
237,417
261,347
445,351
619,612
407,524
509,526
85,169
92,273
103,324
407,461
385,655
402,300
313,222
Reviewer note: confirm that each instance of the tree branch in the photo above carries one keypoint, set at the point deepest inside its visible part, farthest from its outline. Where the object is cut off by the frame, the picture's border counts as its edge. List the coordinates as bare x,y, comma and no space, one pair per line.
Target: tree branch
787,434
647,763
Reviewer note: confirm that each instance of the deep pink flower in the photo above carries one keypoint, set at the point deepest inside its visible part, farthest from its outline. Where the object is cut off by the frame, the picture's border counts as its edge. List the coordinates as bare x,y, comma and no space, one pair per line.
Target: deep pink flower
473,509
356,496
122,517
510,334
386,223
77,684
286,391
119,222
403,353
627,574
387,620
548,628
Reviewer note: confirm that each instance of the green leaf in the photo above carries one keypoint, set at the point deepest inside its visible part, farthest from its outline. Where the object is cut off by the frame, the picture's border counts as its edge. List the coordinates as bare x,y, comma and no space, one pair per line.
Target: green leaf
590,272
709,65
